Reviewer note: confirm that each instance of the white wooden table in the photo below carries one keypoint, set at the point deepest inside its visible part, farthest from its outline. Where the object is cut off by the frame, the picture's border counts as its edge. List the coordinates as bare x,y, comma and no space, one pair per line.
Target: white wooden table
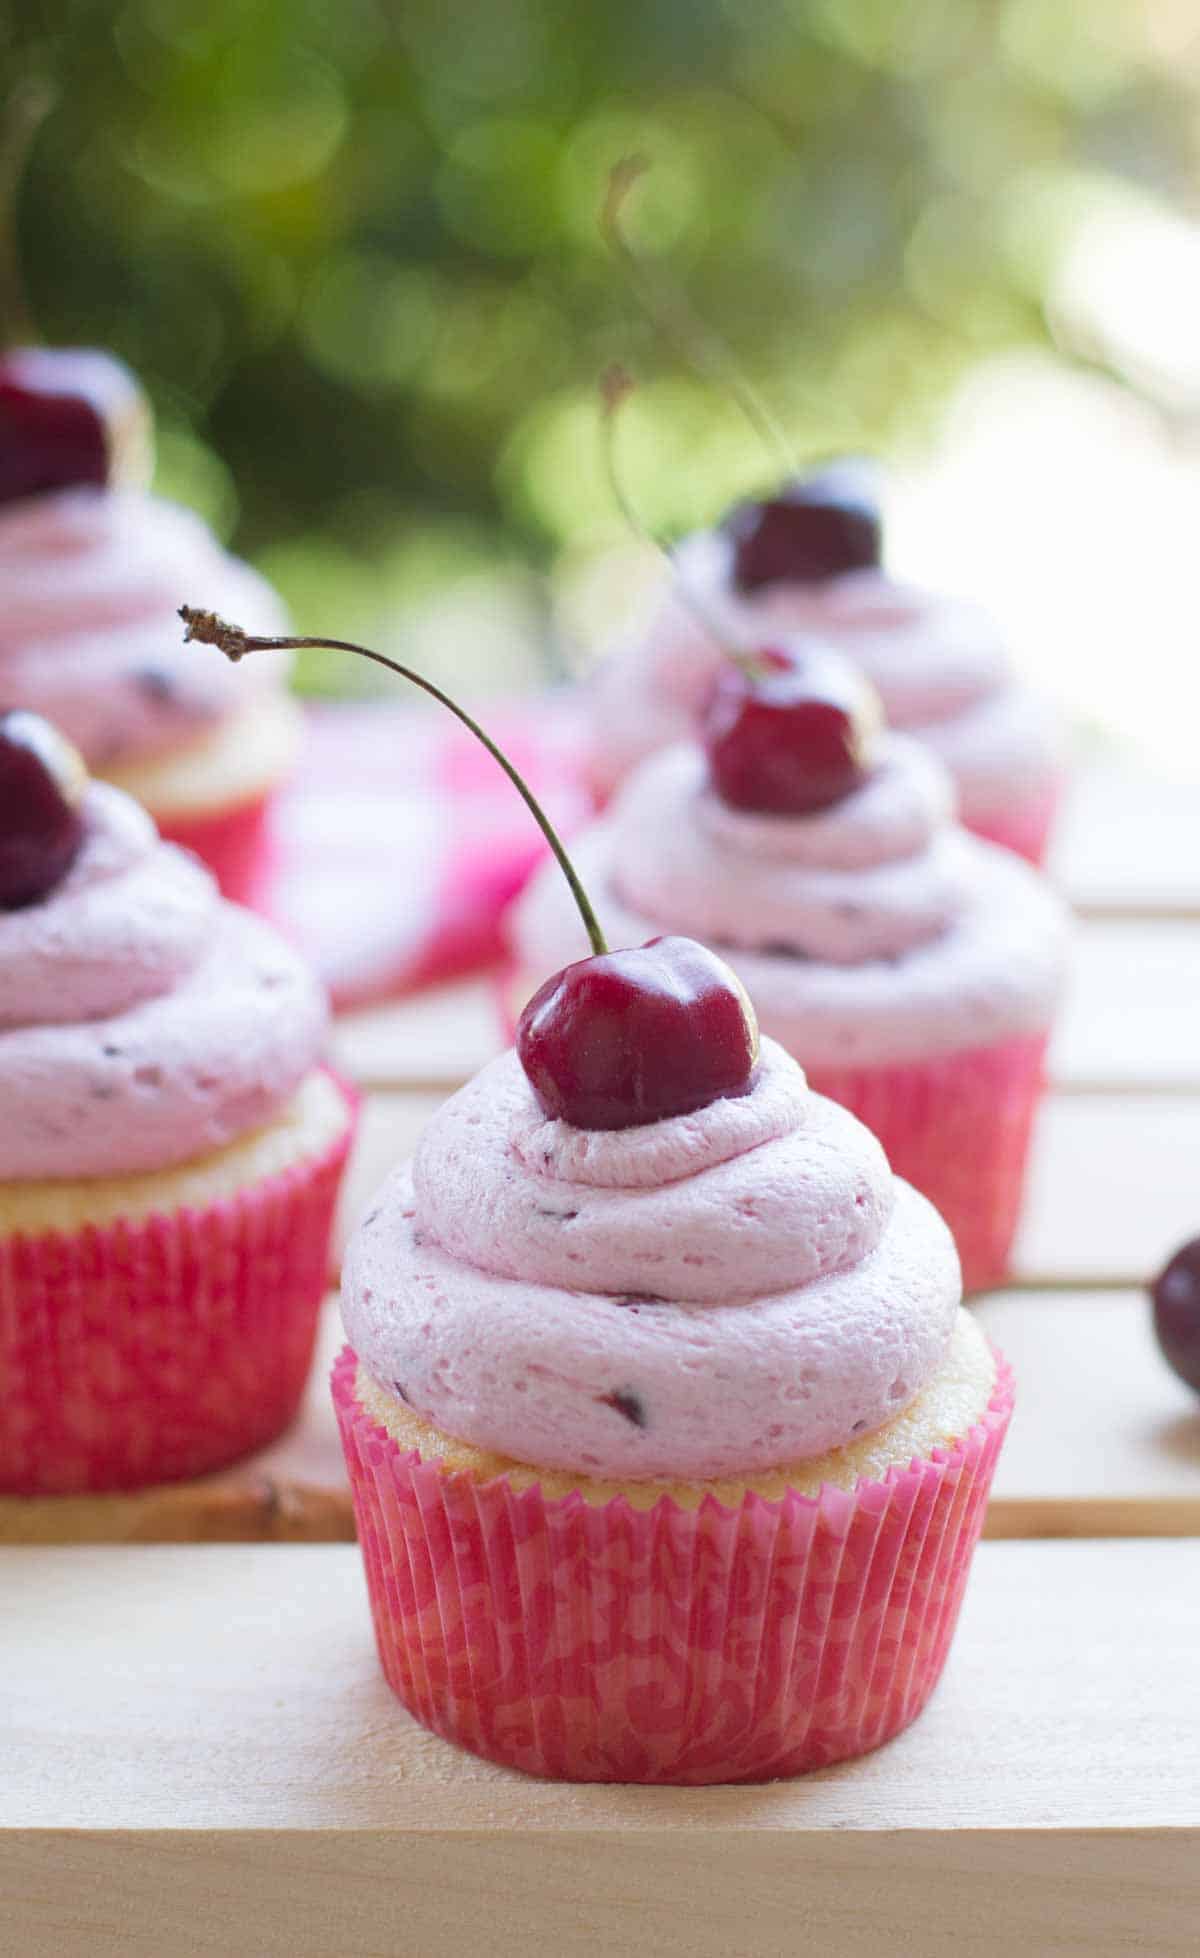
197,1753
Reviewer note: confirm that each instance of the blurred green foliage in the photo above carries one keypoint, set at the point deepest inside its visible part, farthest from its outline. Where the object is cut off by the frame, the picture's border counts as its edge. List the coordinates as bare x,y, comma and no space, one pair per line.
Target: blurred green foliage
352,246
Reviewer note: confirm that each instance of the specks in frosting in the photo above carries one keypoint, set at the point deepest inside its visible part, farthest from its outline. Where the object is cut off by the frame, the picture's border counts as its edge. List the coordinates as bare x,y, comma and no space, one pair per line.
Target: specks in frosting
154,685
625,1402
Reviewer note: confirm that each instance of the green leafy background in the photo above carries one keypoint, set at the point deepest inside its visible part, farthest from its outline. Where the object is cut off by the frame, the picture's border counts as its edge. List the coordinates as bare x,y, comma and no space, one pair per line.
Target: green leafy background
352,248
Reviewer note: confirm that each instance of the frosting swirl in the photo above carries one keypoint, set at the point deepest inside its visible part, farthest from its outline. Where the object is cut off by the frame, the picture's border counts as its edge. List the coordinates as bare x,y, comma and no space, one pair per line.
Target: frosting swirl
143,1021
937,662
713,1294
875,875
90,583
872,931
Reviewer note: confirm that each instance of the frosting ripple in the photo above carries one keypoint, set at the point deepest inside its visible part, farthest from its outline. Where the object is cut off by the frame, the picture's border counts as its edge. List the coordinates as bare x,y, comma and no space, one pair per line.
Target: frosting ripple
725,1291
143,1021
90,585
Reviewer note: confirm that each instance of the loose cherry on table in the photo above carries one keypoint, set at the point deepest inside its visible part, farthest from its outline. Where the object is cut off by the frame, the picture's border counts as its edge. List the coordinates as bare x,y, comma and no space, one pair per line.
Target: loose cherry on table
815,527
1175,1296
789,729
42,780
69,416
637,1036
618,1039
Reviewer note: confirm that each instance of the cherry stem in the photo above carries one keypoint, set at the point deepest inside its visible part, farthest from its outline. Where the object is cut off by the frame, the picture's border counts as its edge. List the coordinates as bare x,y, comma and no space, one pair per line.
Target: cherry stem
211,630
616,386
25,111
672,314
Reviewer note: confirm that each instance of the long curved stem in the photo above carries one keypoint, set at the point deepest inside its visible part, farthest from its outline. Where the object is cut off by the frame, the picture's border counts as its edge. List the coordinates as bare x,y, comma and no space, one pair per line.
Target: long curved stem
24,113
673,315
615,386
235,643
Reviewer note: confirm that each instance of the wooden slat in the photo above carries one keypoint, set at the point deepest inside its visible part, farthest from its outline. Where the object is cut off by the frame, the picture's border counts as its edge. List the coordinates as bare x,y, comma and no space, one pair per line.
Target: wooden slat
211,1727
435,1039
1105,1442
1126,843
1113,1188
1129,1020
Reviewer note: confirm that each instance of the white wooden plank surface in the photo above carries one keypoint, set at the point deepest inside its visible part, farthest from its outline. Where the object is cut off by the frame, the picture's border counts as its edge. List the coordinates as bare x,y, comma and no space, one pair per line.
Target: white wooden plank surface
1105,1440
1113,1189
220,1709
1130,1019
1126,842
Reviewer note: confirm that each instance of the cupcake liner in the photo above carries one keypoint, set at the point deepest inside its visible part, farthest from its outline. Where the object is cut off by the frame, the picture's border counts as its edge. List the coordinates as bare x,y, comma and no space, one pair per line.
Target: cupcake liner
234,843
603,1643
1025,826
164,1347
958,1127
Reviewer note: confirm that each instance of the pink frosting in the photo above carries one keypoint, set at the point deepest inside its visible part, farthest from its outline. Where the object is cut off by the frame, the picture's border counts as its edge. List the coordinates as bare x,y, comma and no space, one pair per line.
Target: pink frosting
143,1021
937,662
90,583
874,931
710,1295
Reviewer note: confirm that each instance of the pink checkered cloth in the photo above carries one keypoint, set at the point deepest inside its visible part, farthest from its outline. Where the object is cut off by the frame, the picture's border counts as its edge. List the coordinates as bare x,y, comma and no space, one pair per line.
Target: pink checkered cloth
400,842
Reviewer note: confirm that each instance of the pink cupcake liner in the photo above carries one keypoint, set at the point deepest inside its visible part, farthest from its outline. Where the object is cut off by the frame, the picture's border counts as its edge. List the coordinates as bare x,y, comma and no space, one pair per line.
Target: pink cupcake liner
234,843
604,1643
958,1127
1025,827
151,1350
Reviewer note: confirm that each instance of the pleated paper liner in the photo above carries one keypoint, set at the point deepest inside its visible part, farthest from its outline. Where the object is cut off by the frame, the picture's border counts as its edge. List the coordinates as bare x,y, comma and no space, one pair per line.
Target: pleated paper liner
602,1643
1026,826
165,1347
957,1126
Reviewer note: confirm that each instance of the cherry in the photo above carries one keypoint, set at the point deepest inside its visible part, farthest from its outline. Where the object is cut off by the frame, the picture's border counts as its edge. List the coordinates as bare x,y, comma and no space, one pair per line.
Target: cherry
68,416
1176,1299
789,730
637,1036
815,527
42,780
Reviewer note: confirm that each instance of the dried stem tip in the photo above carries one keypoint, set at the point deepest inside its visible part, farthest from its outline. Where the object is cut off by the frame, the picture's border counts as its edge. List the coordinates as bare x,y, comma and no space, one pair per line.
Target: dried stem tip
212,630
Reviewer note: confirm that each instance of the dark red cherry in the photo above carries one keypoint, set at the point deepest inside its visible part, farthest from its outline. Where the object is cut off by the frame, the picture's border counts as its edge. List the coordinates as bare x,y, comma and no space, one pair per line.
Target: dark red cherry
1176,1298
636,1036
68,416
792,731
42,780
815,527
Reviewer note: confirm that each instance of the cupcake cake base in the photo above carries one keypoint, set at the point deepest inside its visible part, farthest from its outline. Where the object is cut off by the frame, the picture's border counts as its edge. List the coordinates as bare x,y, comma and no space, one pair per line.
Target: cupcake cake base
681,1633
157,1327
214,797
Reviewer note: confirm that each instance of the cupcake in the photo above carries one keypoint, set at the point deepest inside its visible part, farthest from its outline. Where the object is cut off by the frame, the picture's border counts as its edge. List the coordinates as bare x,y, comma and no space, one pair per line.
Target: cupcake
170,1146
911,968
809,560
92,570
668,1440
669,1444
